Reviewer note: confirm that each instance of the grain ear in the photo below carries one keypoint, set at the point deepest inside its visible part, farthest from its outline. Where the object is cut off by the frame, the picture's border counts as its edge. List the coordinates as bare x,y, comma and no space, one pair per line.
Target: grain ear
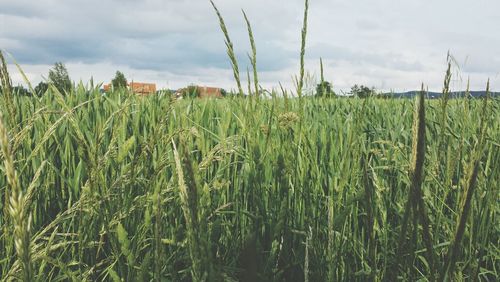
18,211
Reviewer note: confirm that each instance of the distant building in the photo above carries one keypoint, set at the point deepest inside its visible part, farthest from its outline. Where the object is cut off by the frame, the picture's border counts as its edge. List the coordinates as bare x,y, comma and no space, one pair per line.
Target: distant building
209,92
137,87
200,92
106,87
142,88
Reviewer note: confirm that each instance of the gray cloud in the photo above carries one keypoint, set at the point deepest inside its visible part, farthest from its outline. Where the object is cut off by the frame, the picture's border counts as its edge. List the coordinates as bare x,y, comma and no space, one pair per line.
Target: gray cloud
393,61
377,42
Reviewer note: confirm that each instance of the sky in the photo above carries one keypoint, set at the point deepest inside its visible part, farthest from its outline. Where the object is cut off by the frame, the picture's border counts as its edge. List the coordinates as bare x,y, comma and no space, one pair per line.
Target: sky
387,44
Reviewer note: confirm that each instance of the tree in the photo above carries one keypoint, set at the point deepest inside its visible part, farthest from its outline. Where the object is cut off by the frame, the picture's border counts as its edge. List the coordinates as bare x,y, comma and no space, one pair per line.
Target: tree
223,92
21,91
41,88
362,91
58,75
119,81
324,89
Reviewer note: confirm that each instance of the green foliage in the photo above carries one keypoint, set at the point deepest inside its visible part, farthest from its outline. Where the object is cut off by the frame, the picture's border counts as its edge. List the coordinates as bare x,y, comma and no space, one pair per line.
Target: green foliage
324,89
249,190
119,81
124,244
362,91
59,76
41,88
165,92
224,93
383,95
125,148
20,90
127,188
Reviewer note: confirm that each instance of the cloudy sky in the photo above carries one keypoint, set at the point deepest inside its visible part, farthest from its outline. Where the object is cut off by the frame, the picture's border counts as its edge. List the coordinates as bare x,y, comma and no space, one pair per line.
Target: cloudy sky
388,44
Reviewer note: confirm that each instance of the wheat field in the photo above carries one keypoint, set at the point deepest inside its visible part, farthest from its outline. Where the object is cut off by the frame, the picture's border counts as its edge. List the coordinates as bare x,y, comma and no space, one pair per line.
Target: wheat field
120,187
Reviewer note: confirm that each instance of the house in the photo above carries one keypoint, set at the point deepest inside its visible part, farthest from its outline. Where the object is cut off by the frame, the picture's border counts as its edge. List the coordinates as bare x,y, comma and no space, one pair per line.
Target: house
200,92
209,92
142,88
137,87
107,87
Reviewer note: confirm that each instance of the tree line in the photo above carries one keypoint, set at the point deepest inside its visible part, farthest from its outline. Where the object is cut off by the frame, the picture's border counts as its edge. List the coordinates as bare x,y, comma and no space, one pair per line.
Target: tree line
59,77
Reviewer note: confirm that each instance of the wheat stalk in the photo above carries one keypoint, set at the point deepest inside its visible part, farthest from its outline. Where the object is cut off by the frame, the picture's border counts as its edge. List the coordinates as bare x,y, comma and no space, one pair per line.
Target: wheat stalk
230,50
253,58
453,251
7,89
17,208
415,204
369,189
300,82
198,249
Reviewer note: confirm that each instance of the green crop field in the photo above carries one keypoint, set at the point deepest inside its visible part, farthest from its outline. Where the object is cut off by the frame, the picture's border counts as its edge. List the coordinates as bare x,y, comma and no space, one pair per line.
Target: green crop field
120,187
117,187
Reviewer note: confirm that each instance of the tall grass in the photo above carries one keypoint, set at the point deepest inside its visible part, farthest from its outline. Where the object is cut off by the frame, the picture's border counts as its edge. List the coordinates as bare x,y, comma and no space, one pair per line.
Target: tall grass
470,185
260,182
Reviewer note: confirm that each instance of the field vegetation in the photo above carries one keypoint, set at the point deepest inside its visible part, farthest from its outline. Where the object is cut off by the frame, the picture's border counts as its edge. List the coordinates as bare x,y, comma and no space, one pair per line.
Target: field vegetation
120,187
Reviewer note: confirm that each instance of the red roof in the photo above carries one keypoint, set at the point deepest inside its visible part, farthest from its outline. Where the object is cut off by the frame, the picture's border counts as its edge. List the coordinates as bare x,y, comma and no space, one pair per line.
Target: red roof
137,87
142,88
